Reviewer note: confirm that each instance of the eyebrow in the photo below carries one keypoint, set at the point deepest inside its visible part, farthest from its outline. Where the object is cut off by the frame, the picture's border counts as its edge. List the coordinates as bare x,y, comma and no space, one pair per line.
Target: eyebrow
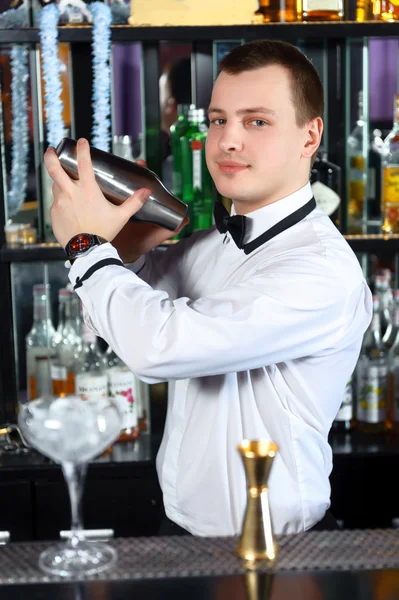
245,111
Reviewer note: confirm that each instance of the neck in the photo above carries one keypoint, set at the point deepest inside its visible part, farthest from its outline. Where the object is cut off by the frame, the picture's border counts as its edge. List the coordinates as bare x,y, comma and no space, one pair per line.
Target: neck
243,207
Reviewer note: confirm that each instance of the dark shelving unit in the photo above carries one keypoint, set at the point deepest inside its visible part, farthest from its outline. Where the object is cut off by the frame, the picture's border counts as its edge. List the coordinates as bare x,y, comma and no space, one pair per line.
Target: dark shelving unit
286,31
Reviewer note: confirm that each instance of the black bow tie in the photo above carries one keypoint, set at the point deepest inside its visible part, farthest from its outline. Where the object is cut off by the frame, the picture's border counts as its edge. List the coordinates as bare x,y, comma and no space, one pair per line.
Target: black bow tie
235,225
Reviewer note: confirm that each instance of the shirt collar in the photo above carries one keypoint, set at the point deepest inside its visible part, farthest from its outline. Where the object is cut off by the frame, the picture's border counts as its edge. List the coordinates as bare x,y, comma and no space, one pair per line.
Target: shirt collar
260,220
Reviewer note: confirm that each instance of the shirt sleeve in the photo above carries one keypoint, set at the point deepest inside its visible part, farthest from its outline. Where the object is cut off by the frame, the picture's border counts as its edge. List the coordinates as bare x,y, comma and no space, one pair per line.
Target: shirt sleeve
161,268
294,311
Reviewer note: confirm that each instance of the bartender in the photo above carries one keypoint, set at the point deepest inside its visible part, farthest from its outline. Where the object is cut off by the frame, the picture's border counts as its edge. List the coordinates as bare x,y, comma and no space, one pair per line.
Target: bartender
255,323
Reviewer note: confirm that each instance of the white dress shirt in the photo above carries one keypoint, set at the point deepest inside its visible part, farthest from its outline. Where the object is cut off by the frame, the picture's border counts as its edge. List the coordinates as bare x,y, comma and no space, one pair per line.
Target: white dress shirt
253,346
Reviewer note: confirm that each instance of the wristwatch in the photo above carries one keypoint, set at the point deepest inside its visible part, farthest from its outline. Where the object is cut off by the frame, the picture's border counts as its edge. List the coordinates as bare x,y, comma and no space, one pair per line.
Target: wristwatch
81,243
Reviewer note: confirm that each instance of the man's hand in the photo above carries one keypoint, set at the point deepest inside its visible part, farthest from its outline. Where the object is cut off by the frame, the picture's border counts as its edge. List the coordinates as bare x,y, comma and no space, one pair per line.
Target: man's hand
138,237
80,206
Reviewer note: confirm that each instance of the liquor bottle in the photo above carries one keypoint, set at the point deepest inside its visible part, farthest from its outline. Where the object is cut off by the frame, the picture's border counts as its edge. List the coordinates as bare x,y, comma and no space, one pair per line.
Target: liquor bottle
62,368
276,11
197,182
393,363
390,176
384,291
143,406
63,295
372,378
374,180
322,10
362,11
325,178
90,371
385,10
343,422
179,128
357,152
119,178
40,349
122,386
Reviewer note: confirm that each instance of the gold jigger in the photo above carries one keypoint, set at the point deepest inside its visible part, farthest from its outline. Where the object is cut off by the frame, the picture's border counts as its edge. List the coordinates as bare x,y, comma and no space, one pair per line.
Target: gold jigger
256,542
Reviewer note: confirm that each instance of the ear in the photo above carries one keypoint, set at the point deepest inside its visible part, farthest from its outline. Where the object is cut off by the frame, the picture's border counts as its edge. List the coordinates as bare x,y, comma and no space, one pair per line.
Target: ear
314,131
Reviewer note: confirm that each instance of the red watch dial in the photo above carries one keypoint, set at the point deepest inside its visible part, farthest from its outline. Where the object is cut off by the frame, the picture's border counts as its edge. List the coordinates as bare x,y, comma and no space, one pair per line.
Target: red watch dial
80,242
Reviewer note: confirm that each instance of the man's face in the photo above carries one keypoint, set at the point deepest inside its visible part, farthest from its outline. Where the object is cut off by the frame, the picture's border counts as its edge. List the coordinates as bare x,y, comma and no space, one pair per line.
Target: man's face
255,149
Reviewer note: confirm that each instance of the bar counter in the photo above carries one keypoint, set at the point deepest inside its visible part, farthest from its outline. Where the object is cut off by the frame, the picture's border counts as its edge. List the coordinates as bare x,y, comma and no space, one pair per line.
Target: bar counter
347,565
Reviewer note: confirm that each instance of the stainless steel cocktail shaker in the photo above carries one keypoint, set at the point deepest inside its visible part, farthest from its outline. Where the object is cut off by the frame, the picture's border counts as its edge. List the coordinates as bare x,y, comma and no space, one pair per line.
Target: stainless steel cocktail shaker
119,178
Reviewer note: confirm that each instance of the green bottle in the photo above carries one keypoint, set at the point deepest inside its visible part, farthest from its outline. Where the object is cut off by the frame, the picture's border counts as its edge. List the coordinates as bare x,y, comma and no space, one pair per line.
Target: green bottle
197,182
179,128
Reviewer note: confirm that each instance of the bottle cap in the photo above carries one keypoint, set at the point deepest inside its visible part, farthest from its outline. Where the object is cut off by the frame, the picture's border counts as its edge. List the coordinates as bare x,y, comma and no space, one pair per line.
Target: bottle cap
64,293
196,114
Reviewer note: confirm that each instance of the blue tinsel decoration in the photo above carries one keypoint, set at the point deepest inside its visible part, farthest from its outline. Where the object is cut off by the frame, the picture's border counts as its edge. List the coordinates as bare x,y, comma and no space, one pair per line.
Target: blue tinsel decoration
15,17
101,100
19,128
51,67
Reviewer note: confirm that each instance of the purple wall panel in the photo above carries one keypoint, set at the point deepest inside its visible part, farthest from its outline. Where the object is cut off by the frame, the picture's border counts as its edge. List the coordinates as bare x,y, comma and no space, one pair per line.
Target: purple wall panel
383,57
126,76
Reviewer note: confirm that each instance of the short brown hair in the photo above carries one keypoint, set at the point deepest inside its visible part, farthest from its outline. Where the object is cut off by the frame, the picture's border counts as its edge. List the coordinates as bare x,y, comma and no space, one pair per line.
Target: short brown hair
306,86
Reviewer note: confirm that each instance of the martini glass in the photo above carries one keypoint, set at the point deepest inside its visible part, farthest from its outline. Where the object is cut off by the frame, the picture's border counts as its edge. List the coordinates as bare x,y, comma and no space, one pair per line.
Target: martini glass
72,431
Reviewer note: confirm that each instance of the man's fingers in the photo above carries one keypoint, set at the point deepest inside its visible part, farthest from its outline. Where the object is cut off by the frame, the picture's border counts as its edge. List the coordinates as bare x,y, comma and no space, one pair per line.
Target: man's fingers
56,171
140,162
183,224
135,202
85,167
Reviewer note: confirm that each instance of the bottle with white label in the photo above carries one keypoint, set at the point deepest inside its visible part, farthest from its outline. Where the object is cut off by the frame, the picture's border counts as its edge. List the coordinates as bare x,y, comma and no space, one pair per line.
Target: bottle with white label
122,387
40,349
197,182
62,369
343,422
91,381
326,181
372,378
322,10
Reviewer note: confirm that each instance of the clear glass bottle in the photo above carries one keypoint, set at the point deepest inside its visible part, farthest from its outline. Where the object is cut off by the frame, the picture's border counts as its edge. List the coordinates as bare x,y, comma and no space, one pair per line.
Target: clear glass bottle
197,182
384,291
177,130
390,176
322,10
90,371
63,295
62,369
372,378
325,178
374,181
40,349
143,406
357,145
122,386
343,422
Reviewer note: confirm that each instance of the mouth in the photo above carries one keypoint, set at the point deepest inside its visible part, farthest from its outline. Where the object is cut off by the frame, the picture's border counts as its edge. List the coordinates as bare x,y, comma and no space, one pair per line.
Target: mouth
230,167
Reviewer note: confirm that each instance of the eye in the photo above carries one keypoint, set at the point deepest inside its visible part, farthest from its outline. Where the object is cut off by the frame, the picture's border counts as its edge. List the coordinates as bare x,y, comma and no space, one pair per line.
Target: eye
258,123
218,121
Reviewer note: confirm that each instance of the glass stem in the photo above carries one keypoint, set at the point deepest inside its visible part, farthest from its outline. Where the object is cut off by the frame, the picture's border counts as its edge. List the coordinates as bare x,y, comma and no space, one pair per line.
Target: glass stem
74,476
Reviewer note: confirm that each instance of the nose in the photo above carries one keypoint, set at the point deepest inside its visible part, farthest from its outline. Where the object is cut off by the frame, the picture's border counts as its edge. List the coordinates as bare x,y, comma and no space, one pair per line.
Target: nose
230,140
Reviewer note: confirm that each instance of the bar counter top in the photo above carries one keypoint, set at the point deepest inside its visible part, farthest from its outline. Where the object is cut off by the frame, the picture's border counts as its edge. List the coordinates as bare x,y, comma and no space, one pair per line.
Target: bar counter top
346,565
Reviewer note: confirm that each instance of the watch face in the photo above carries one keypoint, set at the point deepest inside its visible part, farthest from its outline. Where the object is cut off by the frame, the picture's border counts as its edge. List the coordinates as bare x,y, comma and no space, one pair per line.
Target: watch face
80,243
